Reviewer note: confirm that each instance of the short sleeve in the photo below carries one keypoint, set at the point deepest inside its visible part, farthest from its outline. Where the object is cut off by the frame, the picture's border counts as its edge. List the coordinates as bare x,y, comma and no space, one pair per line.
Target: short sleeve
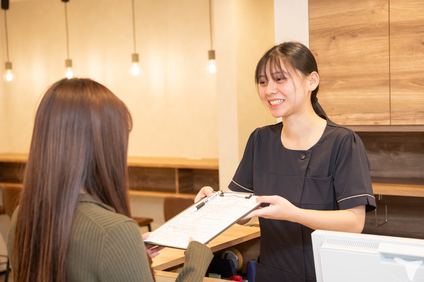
352,180
124,257
243,178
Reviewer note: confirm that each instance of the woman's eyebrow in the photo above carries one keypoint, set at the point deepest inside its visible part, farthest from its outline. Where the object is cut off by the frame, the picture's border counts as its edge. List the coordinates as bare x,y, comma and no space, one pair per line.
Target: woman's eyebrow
280,72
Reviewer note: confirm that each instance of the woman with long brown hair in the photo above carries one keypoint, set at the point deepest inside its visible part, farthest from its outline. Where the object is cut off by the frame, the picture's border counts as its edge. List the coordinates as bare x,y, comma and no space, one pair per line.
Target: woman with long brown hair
74,221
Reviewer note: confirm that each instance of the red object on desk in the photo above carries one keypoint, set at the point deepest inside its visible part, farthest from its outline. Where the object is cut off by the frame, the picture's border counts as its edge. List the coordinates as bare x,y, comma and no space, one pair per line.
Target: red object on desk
236,278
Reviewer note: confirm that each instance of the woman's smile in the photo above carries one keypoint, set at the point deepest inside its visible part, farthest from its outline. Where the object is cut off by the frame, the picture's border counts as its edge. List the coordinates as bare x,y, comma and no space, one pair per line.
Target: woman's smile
275,103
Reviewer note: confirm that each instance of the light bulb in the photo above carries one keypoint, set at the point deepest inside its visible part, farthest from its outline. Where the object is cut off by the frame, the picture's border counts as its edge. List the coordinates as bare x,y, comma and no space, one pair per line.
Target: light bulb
211,58
212,67
8,74
69,73
135,69
68,65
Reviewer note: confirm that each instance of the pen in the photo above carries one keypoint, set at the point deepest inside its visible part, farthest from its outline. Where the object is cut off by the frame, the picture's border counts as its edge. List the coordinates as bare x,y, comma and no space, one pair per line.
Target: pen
202,203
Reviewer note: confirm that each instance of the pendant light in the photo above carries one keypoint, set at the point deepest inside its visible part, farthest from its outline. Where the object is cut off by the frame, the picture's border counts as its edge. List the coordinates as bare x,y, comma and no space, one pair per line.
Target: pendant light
8,74
135,70
211,53
68,61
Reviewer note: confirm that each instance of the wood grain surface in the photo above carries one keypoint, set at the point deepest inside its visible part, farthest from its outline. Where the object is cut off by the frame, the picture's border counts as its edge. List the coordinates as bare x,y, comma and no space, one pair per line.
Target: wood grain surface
350,41
407,61
234,235
164,276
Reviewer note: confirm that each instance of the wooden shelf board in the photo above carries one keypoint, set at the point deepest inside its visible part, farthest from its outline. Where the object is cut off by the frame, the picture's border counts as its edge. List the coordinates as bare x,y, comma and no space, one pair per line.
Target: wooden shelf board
160,194
378,188
13,158
398,189
131,192
137,161
386,128
173,162
18,185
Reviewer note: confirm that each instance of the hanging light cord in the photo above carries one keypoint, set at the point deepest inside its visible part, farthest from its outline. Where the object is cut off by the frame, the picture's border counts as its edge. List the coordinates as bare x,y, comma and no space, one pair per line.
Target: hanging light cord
7,38
210,22
133,18
67,35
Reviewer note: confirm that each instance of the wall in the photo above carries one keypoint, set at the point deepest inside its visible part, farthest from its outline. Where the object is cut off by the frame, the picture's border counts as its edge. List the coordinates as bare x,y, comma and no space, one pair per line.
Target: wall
174,98
244,30
4,141
166,100
249,51
239,108
291,21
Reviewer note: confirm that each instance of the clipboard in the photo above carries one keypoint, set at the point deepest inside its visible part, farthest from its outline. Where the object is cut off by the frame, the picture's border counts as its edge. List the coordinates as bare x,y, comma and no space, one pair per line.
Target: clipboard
204,220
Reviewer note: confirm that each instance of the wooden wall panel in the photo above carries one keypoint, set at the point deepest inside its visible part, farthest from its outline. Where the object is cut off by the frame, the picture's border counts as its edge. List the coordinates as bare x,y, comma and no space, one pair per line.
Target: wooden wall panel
395,157
349,39
407,61
152,179
404,217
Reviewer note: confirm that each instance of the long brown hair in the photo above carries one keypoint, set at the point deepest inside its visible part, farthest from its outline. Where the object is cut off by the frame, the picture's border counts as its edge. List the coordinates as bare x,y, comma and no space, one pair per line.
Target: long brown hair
80,140
297,56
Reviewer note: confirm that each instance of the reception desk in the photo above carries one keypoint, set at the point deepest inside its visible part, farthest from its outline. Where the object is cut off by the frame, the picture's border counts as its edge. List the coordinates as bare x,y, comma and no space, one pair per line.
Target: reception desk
164,276
233,236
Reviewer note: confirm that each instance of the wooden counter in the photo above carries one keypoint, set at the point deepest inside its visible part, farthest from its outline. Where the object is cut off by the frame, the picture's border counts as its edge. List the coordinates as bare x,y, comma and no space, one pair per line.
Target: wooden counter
234,235
164,276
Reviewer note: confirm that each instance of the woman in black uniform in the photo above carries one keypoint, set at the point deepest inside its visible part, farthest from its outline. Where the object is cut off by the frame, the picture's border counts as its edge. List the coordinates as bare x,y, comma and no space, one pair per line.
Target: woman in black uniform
311,173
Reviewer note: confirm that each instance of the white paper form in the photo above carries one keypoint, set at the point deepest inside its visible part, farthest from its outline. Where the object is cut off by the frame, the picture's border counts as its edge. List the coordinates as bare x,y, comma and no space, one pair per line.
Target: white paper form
214,215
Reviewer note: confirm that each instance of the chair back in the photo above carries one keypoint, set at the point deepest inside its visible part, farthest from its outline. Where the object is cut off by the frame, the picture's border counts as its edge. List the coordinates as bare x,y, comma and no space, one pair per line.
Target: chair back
11,195
174,205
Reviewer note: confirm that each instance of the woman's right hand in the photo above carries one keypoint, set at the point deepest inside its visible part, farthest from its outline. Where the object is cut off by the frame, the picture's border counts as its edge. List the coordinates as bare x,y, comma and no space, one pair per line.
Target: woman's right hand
206,191
152,250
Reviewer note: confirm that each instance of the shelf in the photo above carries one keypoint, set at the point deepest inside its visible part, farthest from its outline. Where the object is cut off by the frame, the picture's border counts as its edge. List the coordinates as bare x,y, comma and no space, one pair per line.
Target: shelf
173,163
162,177
149,176
136,161
158,194
131,192
386,128
398,189
13,158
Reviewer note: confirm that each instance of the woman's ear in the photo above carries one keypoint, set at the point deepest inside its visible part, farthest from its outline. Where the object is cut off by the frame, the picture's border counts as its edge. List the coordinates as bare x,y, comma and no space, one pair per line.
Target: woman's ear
313,80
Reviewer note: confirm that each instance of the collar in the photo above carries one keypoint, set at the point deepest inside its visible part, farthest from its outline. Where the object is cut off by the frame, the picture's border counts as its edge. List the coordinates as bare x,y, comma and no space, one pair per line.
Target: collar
87,198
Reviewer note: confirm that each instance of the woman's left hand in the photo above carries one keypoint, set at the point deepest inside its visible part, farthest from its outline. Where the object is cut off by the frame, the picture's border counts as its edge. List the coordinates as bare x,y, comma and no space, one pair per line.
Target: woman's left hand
152,250
279,208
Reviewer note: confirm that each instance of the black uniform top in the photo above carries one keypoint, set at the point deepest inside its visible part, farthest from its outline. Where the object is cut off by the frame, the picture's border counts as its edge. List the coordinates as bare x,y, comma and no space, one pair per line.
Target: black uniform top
334,174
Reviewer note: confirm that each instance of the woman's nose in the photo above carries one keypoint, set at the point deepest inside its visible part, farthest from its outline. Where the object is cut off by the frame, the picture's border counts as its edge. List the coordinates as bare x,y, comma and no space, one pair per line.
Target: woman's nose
271,87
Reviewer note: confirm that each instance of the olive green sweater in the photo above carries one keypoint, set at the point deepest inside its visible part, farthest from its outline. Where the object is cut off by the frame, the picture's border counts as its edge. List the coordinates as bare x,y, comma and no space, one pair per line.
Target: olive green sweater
106,246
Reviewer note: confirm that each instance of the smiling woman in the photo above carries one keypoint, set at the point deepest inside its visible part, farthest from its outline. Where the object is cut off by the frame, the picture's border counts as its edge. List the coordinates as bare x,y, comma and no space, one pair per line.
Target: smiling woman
291,62
310,172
